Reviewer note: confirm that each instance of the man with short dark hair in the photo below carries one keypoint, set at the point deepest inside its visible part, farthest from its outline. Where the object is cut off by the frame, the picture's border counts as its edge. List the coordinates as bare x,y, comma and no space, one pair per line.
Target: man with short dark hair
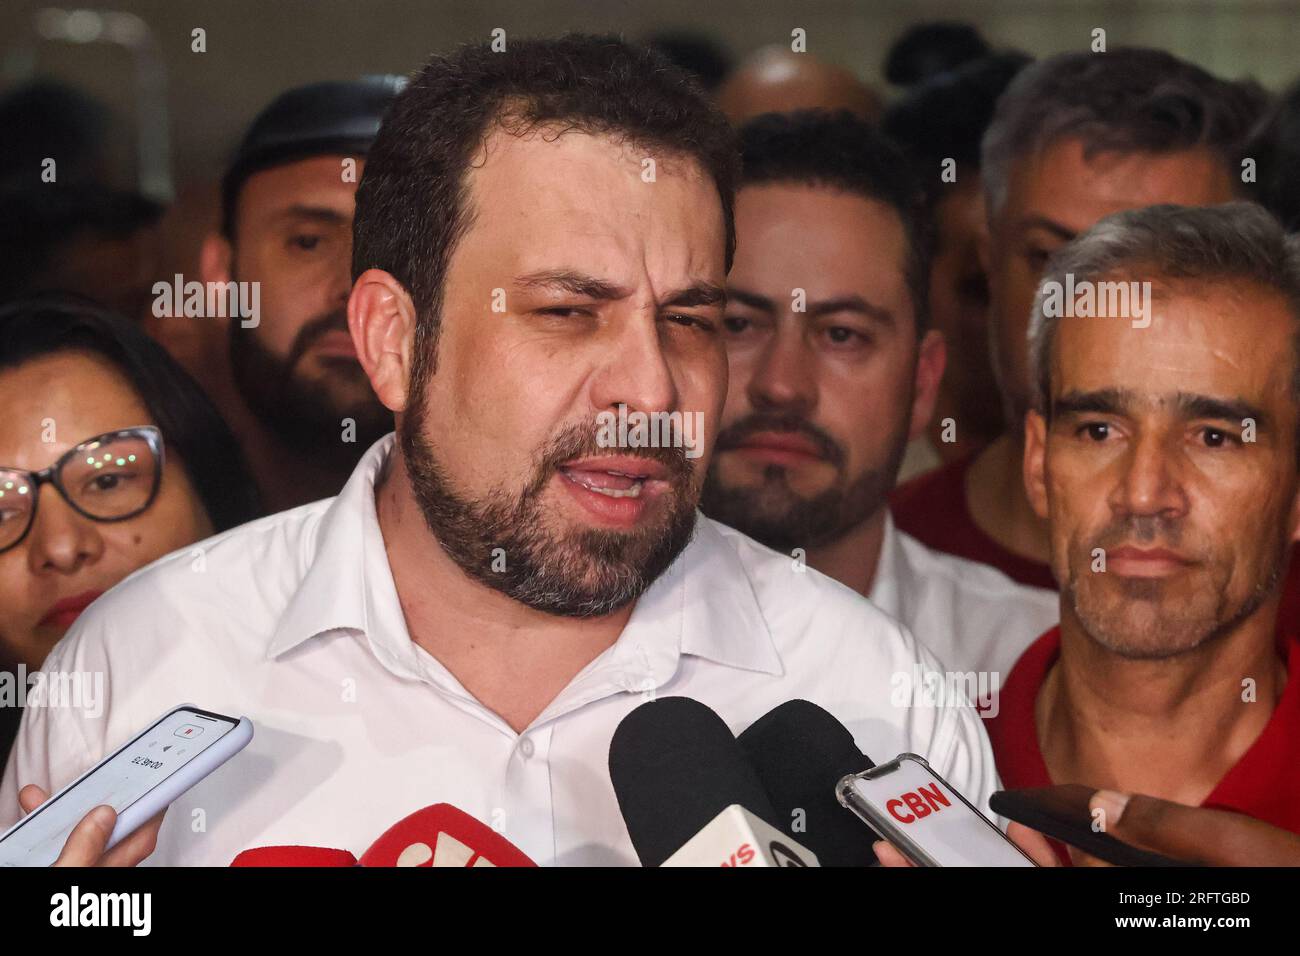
1074,138
296,395
832,370
1162,454
542,241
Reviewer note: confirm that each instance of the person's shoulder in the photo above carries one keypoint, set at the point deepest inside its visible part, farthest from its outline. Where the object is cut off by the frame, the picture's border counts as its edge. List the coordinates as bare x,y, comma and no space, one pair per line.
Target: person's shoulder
797,599
972,580
222,581
239,551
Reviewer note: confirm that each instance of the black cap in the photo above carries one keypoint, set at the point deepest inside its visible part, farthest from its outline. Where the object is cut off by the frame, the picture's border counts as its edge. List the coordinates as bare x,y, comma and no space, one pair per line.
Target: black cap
319,119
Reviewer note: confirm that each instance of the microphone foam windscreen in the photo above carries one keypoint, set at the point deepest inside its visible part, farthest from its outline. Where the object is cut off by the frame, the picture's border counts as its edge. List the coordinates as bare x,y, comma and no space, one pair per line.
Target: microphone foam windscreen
443,836
675,765
800,752
294,856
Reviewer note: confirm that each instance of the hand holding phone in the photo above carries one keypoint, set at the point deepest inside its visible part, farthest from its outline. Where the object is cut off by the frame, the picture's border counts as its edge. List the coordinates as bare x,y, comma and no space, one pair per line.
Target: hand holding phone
87,845
1139,830
125,793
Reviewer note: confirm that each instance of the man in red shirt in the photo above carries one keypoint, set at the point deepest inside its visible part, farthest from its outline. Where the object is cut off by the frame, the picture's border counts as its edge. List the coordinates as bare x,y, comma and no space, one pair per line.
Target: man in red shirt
1162,455
1074,138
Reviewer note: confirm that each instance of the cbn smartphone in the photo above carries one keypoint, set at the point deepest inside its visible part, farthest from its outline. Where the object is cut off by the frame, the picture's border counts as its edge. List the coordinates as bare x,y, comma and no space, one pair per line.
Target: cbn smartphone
138,781
928,821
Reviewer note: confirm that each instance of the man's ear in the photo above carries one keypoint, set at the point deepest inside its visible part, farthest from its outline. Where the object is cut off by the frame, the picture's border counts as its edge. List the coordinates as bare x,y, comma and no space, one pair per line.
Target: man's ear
215,258
381,318
1035,463
931,360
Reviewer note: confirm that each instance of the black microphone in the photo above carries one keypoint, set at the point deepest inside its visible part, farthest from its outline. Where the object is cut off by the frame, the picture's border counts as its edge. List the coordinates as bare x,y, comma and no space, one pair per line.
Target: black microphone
689,795
800,752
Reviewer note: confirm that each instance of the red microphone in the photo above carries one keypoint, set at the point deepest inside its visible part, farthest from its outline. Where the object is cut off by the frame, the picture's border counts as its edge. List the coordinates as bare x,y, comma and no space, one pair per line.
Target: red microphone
442,836
294,856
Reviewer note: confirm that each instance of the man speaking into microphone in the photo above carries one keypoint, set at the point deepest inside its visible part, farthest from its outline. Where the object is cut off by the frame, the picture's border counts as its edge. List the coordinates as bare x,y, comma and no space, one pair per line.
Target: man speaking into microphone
542,238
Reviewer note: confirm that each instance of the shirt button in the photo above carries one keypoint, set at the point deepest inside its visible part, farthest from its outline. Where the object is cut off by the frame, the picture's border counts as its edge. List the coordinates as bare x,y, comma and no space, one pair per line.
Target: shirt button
526,747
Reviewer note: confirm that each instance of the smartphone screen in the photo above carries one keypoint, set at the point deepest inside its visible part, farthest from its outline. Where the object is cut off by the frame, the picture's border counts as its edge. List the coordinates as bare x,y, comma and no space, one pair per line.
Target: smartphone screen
119,781
929,822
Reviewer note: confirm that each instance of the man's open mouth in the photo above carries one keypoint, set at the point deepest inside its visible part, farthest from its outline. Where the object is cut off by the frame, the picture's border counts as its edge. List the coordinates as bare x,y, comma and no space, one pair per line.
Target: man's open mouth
620,477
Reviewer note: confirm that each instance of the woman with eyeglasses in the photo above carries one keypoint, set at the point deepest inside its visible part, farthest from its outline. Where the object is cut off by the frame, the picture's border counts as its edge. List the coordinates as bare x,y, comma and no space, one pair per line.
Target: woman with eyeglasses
110,457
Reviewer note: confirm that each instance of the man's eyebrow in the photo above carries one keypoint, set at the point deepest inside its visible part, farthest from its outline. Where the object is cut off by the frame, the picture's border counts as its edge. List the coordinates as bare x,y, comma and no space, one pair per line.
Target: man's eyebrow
1117,401
851,303
1223,409
1050,225
1102,401
847,303
699,294
752,299
322,214
575,283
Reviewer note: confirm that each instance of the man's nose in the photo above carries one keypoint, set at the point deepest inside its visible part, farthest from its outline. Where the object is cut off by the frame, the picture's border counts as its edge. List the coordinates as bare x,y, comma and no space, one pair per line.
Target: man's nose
1149,482
638,373
340,288
784,377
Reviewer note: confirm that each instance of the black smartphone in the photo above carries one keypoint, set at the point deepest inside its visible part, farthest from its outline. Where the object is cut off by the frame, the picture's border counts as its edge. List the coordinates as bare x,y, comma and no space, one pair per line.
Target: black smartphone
1062,813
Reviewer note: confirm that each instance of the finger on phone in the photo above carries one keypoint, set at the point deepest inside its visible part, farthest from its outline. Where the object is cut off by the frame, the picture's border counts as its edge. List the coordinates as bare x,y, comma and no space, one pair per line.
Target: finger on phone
137,846
1033,843
86,842
1196,834
888,855
30,797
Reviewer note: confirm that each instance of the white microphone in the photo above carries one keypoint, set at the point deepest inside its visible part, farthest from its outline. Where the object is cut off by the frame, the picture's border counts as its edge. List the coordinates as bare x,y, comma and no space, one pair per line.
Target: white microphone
735,837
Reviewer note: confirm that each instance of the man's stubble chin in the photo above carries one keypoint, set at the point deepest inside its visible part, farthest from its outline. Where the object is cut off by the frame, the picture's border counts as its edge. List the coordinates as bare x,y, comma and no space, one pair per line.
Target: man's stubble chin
509,542
774,514
1155,619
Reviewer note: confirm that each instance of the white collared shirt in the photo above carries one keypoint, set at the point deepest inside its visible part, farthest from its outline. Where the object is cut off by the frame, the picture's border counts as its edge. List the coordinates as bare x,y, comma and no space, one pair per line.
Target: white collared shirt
972,616
294,621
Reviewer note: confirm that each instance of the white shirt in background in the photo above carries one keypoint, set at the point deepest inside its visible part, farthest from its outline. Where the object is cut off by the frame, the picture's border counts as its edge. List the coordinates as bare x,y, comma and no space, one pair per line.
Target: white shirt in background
972,616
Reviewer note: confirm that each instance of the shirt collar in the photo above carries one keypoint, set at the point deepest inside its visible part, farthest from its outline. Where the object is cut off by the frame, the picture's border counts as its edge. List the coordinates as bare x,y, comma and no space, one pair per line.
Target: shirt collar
703,605
891,569
333,591
723,617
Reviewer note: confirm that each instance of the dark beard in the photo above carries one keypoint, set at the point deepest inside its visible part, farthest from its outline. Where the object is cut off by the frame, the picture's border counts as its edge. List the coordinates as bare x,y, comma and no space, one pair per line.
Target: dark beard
302,415
773,514
586,573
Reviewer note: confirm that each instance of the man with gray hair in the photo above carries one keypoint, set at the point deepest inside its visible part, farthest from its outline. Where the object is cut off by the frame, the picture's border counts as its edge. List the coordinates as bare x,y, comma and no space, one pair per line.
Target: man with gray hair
1074,138
1162,456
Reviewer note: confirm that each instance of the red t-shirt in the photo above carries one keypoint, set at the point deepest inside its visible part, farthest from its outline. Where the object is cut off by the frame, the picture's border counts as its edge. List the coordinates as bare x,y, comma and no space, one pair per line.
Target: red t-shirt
932,508
1264,783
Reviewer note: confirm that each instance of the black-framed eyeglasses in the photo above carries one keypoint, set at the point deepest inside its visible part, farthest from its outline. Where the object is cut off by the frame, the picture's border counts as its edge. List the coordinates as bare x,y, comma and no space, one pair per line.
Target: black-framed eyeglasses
111,477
